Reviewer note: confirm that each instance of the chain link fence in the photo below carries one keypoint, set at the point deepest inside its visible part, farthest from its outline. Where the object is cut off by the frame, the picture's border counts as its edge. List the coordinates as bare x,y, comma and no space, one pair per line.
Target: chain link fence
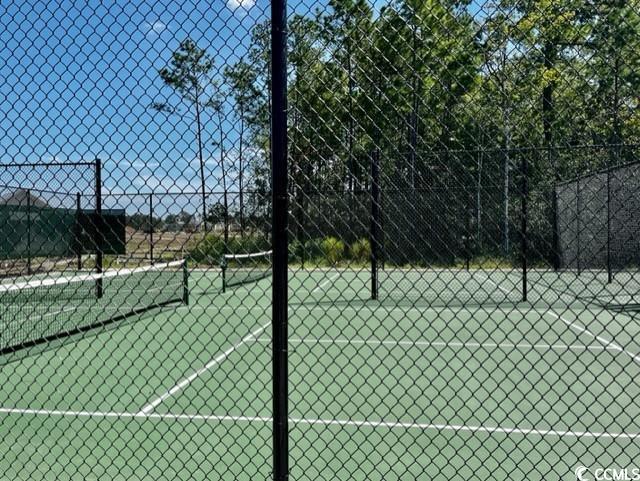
319,239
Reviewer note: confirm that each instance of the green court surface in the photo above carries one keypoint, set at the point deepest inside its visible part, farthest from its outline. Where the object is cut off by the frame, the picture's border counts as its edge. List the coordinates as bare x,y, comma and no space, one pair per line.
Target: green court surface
419,388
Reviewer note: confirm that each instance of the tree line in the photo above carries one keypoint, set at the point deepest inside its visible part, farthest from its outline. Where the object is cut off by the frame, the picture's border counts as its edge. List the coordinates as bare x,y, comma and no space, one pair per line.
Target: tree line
421,84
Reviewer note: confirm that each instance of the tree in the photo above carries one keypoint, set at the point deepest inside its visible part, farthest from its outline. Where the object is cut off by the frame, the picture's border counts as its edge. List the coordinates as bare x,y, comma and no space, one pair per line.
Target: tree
217,213
191,76
613,47
242,79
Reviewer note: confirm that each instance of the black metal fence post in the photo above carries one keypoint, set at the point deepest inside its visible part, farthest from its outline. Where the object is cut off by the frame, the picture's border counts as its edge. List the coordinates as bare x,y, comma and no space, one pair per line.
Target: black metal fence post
28,232
467,235
375,222
524,224
185,283
578,227
554,207
151,258
98,228
279,238
78,240
609,269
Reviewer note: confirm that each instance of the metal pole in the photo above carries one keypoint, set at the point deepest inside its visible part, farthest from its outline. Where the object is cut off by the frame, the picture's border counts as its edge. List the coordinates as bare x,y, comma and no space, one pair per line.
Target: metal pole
78,231
185,286
279,238
301,241
554,207
375,222
523,223
578,227
98,227
609,270
28,232
467,234
223,272
151,228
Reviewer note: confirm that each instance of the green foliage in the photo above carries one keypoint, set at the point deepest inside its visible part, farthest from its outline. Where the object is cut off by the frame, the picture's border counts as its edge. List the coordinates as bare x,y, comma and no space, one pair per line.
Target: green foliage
416,80
333,250
361,250
210,249
423,76
296,253
313,250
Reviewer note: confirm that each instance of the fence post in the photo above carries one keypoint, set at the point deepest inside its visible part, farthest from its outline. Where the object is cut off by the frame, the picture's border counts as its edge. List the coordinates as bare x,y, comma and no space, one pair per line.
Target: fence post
279,239
524,244
375,222
554,207
28,232
151,228
609,269
98,228
578,227
78,231
468,217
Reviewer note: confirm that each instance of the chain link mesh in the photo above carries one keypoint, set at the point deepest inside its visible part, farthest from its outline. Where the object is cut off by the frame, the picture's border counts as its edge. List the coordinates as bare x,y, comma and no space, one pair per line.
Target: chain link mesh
462,289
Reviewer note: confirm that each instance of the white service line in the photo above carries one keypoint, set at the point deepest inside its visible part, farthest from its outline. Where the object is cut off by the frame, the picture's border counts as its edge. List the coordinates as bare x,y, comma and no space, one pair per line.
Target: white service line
607,343
474,345
327,281
188,380
295,308
325,422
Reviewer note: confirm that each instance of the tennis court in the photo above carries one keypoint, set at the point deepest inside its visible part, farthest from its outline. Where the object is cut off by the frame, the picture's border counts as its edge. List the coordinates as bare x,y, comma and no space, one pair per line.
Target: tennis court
384,387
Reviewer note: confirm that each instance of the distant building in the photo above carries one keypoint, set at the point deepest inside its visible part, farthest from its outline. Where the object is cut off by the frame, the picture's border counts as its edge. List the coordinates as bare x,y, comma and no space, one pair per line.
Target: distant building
22,197
233,227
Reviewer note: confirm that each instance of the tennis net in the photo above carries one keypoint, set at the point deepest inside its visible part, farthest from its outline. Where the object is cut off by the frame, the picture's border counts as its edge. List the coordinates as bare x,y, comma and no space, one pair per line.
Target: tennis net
48,309
238,269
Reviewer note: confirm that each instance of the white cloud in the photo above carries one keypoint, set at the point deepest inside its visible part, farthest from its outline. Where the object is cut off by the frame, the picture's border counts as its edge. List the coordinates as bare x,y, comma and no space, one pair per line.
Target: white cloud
240,4
156,27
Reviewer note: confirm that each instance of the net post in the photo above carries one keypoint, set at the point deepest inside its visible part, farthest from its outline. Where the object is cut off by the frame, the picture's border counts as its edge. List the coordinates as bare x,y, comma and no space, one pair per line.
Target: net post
151,228
279,239
98,240
375,222
223,270
29,232
78,232
523,223
185,283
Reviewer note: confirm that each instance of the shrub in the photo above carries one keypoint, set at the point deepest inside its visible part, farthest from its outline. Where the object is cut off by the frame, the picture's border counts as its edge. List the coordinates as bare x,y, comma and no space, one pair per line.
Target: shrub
361,250
210,249
295,251
313,250
333,249
207,250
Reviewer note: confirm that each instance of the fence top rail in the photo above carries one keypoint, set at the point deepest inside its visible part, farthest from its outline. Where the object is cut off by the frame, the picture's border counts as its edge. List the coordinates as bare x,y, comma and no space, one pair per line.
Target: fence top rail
604,170
47,164
533,148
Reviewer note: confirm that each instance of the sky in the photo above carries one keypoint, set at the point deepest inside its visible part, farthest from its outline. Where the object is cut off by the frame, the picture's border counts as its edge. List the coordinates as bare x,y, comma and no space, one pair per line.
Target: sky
77,78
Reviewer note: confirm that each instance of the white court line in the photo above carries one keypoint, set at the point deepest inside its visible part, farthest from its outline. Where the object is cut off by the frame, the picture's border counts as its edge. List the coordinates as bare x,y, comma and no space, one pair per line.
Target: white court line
475,345
327,281
366,308
188,380
606,342
325,422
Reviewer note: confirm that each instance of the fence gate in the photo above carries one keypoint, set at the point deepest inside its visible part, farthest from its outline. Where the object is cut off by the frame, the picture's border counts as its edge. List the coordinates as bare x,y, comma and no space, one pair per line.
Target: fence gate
319,239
